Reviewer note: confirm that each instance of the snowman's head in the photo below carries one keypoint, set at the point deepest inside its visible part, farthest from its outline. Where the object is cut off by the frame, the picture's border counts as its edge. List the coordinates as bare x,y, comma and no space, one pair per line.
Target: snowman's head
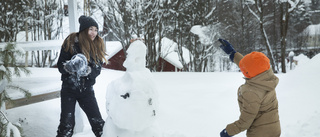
136,56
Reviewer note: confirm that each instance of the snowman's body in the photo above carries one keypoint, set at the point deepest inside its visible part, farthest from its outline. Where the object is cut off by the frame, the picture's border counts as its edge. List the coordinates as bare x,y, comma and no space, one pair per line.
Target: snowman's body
132,100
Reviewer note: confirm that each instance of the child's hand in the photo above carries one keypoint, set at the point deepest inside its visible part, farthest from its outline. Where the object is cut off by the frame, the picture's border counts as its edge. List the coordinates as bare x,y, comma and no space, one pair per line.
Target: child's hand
227,48
224,133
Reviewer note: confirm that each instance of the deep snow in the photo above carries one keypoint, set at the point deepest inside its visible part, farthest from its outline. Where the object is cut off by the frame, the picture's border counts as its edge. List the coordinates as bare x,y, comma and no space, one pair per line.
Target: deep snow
191,104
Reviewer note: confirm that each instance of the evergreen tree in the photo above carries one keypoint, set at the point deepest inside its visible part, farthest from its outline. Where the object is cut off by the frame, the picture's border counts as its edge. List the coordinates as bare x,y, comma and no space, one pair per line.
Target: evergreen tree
8,69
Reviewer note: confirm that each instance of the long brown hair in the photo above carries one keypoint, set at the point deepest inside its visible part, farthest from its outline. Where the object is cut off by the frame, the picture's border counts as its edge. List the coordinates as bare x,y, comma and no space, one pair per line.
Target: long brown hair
95,48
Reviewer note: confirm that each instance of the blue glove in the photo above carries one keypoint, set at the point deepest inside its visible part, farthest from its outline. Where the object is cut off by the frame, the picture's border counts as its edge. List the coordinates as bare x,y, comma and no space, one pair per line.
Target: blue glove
227,48
224,133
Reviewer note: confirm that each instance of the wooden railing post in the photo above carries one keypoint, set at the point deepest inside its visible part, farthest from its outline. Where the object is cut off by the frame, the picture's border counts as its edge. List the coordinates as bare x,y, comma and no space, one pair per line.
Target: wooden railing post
33,99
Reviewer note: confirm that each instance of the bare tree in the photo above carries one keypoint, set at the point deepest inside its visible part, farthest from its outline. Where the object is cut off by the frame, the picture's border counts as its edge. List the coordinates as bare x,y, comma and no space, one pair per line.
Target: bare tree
286,8
196,13
259,14
155,19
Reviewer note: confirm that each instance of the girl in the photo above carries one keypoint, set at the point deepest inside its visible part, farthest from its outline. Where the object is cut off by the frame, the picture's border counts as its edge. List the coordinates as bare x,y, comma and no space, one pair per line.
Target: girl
79,63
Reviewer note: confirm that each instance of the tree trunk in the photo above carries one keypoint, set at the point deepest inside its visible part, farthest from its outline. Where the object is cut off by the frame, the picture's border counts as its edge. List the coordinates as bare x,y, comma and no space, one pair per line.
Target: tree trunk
265,37
284,20
275,35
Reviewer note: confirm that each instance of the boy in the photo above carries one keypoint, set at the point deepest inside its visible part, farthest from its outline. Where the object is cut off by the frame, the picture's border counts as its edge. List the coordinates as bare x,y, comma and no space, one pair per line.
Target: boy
257,97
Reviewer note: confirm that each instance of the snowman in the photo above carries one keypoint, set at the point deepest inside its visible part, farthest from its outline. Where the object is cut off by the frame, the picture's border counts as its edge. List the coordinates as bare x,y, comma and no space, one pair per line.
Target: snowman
132,100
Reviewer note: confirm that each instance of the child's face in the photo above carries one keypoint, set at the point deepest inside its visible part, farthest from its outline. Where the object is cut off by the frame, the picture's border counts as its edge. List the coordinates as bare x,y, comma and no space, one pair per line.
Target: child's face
93,31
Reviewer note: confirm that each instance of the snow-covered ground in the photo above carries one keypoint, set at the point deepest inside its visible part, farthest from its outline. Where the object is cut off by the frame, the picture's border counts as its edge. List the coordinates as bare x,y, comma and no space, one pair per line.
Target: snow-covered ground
191,104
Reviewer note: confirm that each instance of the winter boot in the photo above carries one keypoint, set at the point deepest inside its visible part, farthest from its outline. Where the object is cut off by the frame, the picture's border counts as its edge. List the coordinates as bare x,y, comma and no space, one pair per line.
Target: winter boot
65,130
97,126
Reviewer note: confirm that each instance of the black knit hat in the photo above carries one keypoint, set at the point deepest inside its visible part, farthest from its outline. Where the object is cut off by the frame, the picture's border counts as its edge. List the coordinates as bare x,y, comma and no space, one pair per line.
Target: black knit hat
86,22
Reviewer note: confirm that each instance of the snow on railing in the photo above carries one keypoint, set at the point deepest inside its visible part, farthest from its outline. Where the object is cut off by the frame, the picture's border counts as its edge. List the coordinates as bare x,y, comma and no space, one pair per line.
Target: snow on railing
46,46
37,45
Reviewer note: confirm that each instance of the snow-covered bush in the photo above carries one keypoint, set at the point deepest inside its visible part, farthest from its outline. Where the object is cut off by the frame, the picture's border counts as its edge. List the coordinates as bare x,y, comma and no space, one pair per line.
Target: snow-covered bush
8,69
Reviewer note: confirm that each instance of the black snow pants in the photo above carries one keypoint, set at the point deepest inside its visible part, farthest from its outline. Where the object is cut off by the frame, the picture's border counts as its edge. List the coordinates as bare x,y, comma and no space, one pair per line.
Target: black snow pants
87,102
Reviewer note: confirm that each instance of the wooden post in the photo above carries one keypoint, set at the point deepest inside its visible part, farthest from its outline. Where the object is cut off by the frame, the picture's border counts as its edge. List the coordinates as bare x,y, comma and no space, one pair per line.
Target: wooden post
26,59
73,17
73,25
33,99
27,39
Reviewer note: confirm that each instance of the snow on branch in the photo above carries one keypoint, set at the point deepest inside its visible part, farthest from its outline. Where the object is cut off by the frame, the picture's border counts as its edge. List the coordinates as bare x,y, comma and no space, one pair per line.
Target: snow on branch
210,13
254,14
11,129
294,5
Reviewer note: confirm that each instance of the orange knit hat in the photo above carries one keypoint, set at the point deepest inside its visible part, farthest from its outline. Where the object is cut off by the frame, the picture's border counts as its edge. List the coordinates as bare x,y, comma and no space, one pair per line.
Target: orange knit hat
253,64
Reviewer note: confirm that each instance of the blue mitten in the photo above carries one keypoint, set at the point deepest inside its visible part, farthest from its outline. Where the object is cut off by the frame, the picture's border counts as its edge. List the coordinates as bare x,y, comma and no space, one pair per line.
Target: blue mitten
78,65
227,48
224,133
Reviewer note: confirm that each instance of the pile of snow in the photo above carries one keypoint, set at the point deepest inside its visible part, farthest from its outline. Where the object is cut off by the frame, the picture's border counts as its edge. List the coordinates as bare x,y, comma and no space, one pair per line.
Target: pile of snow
301,59
313,29
298,94
310,64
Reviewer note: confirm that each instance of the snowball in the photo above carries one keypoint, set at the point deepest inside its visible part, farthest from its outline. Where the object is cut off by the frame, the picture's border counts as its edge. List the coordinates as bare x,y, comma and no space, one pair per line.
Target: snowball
78,64
201,32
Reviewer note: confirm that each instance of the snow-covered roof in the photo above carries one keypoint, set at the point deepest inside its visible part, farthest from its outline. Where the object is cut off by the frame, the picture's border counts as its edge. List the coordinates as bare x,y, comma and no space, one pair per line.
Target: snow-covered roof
113,47
313,29
169,52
